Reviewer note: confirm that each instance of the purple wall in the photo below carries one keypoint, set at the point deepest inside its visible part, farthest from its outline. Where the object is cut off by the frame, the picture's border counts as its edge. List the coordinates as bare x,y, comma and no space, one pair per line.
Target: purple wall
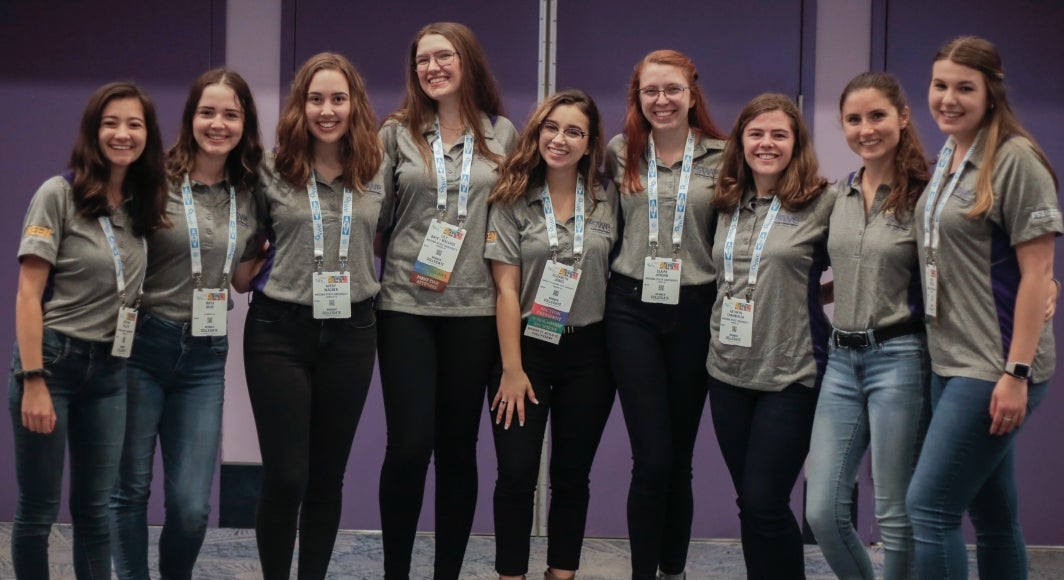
56,55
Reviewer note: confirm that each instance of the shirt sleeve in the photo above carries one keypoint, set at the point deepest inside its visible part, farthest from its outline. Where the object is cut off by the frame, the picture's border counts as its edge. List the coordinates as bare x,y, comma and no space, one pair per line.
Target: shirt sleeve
1028,200
502,242
389,141
43,227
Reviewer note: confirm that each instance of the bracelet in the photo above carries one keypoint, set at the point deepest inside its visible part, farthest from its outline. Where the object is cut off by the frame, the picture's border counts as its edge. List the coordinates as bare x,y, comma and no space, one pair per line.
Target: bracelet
32,374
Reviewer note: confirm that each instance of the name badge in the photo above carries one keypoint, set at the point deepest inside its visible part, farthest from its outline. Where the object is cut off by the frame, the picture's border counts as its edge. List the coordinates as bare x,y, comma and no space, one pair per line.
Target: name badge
661,281
125,330
332,295
554,300
209,307
737,322
438,255
931,290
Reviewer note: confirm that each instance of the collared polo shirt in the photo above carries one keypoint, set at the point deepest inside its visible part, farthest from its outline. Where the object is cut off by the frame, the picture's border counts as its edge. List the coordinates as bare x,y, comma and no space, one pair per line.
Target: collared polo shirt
790,330
81,297
873,260
517,235
699,220
978,272
471,290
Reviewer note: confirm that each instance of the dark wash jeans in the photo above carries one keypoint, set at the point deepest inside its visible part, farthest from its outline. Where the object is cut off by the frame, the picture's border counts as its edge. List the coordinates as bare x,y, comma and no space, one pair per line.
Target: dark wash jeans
307,380
658,354
88,389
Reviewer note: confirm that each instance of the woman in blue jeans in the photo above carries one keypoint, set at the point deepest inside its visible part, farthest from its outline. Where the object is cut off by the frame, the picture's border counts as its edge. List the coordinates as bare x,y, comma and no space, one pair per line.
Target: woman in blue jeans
177,372
874,391
985,228
82,259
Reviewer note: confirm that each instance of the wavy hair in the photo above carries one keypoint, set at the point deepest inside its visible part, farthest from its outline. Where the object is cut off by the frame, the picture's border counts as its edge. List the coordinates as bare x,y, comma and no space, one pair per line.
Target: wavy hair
637,127
800,182
911,170
360,147
242,163
144,187
1000,122
478,92
525,169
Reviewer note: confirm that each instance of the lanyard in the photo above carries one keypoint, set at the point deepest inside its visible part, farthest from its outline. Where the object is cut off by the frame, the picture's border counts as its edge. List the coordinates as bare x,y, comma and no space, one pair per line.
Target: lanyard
681,193
194,239
933,212
578,214
759,247
120,277
319,228
441,174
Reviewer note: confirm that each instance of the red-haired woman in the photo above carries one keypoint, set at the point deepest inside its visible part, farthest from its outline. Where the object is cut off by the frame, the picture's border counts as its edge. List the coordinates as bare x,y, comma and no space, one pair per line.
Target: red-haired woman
659,297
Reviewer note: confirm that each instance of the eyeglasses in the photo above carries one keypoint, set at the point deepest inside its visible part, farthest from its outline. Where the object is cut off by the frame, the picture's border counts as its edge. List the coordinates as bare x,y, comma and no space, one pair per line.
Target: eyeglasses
671,92
442,58
550,130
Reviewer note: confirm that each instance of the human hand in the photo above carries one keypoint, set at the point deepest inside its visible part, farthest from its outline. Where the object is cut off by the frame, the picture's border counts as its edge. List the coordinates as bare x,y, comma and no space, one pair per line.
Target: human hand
513,388
1008,405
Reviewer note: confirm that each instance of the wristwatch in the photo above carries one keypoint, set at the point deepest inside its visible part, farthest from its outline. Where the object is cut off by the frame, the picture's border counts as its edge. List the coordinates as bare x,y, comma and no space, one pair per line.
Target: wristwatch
1018,369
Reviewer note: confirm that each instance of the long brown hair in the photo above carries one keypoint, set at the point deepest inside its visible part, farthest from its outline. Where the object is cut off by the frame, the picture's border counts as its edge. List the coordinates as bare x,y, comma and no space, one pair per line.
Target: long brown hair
800,183
1000,122
911,171
525,168
478,92
360,148
144,186
637,127
242,163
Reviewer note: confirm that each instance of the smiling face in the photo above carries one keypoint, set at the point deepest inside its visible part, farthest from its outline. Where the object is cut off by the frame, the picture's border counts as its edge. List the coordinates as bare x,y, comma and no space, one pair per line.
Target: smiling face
218,124
872,124
768,144
663,112
958,100
123,132
559,150
328,106
439,82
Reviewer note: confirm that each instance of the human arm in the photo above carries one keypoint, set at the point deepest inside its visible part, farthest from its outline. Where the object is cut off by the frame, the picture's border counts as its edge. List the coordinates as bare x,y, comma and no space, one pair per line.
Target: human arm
38,414
1054,294
514,385
1008,402
247,270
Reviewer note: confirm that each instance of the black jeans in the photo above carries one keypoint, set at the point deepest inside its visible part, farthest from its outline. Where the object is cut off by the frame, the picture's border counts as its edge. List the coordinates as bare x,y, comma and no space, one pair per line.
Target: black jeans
764,437
658,354
573,385
434,373
307,380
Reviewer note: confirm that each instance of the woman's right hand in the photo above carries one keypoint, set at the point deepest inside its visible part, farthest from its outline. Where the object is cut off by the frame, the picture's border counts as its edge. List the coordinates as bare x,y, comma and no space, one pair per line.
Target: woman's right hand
513,388
38,414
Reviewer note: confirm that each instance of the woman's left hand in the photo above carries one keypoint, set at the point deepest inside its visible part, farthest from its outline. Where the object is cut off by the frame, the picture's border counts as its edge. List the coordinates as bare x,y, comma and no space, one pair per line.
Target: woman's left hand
1008,405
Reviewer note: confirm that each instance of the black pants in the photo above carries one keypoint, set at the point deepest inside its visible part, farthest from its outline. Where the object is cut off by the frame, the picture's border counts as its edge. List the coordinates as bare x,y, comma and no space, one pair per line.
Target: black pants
434,374
307,380
658,354
764,437
573,385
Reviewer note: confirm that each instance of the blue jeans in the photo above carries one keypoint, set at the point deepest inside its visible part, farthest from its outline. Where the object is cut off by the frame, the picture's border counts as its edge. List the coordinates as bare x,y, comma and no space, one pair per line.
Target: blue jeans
176,386
964,468
88,389
875,395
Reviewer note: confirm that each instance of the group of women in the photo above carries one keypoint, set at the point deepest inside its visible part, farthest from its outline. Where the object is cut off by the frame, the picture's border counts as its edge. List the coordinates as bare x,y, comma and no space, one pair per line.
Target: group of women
535,263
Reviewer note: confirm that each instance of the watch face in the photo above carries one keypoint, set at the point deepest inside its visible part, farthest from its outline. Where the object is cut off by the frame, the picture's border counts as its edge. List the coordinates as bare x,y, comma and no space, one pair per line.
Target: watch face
1018,370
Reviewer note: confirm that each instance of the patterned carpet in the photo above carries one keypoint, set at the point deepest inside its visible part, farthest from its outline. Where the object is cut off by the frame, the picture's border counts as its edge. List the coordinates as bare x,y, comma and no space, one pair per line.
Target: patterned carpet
230,554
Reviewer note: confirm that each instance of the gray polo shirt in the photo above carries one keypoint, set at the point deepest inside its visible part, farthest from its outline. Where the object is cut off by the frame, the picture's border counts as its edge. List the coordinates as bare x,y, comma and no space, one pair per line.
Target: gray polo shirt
81,298
517,235
286,275
698,223
790,331
471,291
978,273
873,260
168,287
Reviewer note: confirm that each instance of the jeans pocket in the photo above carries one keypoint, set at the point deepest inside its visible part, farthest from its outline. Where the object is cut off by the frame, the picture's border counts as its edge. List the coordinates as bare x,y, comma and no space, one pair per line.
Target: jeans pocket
53,348
905,347
362,318
269,311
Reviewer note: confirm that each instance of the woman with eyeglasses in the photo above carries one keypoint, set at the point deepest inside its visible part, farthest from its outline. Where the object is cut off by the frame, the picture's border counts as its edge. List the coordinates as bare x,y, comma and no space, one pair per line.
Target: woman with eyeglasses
659,296
769,329
551,229
437,341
